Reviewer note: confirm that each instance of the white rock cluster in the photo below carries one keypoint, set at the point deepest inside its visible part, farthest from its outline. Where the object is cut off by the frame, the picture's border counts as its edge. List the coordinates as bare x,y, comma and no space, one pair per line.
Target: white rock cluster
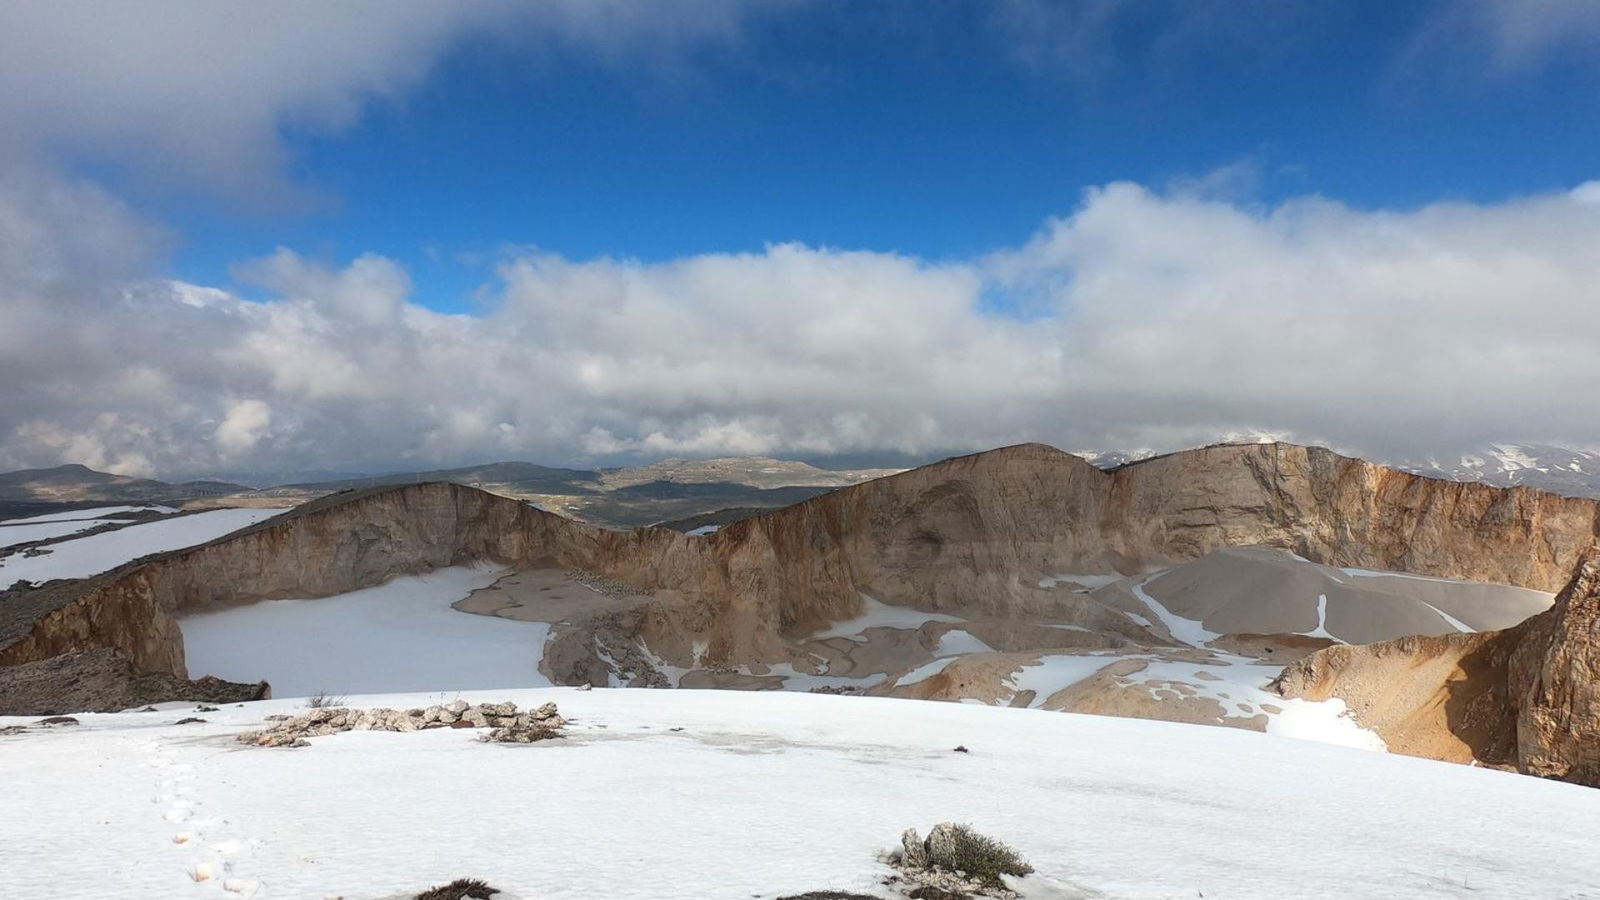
508,724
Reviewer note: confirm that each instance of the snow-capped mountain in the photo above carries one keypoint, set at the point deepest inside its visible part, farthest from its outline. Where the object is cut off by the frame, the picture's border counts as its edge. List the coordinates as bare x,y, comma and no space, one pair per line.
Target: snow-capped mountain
1561,470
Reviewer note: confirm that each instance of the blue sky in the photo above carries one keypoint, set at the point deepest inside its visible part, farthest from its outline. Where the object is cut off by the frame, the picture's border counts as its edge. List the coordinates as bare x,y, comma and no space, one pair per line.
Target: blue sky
255,238
915,128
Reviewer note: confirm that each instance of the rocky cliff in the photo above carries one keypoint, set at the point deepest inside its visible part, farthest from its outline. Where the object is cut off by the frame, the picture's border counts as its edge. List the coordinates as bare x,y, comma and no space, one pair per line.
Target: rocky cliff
977,533
1526,698
335,544
974,534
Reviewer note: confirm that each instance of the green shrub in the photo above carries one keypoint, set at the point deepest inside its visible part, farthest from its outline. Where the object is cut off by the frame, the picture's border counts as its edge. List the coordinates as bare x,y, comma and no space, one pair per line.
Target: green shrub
460,889
323,699
959,848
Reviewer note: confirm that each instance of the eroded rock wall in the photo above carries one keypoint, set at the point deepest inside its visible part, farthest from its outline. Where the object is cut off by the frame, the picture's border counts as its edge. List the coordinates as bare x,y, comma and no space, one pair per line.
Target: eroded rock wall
1527,697
975,533
104,680
972,534
336,544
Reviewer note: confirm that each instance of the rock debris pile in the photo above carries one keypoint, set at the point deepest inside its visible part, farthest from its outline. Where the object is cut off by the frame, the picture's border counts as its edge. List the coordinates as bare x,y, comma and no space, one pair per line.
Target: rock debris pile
509,725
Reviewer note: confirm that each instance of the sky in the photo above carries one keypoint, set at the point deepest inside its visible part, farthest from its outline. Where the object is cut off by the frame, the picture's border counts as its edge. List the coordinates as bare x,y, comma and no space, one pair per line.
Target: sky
274,238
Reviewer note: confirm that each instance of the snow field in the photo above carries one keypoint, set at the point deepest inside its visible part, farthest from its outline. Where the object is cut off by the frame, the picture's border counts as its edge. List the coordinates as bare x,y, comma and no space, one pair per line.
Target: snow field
96,553
401,635
759,795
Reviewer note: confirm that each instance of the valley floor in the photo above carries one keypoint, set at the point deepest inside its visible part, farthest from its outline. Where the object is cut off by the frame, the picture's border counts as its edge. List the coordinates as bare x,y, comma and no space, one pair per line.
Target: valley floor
721,794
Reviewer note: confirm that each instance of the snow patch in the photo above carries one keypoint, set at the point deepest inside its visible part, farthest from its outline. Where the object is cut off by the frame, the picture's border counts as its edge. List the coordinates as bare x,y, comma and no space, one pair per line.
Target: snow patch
1454,622
73,515
925,671
881,615
1321,630
956,642
12,535
1189,631
1087,582
96,553
1053,672
398,636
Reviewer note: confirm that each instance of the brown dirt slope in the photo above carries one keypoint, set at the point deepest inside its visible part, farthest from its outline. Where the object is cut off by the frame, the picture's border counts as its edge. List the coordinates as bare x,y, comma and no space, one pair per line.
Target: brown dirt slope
1526,698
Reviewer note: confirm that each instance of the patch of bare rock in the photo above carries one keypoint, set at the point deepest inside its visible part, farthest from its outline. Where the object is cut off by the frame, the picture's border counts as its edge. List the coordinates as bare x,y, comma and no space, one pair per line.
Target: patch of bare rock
105,680
508,724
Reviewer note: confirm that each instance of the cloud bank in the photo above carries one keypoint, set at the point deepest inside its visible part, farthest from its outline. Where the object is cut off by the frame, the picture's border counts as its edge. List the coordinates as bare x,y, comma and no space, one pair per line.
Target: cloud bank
1140,319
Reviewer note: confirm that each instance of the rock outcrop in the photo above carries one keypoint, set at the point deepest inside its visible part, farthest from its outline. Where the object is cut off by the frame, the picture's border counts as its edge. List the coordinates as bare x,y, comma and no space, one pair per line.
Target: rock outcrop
1527,697
510,726
332,545
973,534
104,680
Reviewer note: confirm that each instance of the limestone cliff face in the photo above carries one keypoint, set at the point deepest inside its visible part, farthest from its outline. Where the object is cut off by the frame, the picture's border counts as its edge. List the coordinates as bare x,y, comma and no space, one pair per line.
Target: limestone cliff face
1340,511
1554,683
1526,698
336,544
973,534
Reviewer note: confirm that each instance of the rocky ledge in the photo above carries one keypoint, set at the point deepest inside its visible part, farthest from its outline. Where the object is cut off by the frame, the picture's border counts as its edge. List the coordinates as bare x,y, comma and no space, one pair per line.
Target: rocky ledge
509,725
105,680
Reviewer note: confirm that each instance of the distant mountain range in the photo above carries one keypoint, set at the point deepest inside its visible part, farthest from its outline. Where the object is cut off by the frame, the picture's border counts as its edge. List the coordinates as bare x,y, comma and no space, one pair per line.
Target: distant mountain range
73,483
1560,470
658,492
692,493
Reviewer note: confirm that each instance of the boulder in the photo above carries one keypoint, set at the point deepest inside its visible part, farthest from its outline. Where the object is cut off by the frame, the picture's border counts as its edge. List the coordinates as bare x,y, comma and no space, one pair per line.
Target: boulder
941,843
912,853
1554,683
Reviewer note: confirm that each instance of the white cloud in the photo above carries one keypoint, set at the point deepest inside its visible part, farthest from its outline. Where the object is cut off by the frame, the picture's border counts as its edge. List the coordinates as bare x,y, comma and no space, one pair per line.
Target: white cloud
1504,37
1154,320
243,428
197,93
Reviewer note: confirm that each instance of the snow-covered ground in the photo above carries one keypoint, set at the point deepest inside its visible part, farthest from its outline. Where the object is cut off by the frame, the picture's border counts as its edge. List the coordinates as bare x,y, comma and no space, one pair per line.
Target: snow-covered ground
96,553
61,524
95,512
761,795
12,535
398,636
876,614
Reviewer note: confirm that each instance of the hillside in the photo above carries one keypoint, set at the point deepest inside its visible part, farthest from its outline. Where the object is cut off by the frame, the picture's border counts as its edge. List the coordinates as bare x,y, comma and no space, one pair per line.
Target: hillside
79,484
1561,470
1526,697
618,498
